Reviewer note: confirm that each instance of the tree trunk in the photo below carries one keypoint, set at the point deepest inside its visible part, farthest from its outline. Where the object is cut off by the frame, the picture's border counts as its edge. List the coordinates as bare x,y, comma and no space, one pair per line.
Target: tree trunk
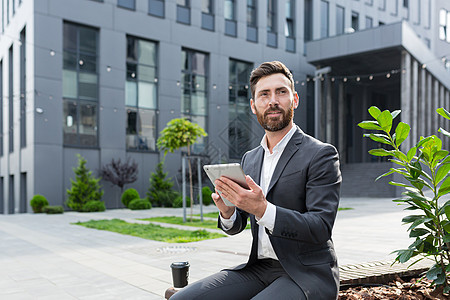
191,188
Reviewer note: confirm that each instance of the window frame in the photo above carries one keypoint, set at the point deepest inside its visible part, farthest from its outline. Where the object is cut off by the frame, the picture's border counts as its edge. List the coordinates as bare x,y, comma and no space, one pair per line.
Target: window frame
233,93
188,54
125,6
152,13
252,27
141,109
80,102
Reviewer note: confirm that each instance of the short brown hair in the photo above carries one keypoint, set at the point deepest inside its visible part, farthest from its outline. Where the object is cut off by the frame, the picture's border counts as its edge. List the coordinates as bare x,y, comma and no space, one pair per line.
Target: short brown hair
269,68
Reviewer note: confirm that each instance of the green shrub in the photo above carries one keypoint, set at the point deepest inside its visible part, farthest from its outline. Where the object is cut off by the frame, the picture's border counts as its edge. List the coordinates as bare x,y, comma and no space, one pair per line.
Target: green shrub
178,201
38,202
93,206
206,195
129,195
137,204
160,192
51,210
85,187
425,168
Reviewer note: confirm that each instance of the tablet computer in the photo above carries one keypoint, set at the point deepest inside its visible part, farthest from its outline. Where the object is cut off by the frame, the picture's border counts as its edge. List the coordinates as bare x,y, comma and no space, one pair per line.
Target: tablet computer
232,171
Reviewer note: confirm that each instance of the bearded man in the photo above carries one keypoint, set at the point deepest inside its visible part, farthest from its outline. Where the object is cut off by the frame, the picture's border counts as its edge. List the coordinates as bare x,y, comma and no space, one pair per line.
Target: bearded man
292,201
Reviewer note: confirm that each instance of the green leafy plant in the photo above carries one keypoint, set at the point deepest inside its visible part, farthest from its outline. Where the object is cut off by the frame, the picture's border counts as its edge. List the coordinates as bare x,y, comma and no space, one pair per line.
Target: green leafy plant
93,206
51,210
129,195
206,195
37,203
160,192
177,134
137,204
84,188
425,168
178,202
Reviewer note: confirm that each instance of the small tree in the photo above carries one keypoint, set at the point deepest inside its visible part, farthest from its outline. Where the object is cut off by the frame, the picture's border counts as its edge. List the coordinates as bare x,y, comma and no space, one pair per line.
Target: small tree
160,192
425,167
119,173
177,134
84,188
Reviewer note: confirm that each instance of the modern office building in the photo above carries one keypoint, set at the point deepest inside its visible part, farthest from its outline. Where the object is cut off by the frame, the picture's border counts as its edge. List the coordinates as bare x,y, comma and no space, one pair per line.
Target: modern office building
102,79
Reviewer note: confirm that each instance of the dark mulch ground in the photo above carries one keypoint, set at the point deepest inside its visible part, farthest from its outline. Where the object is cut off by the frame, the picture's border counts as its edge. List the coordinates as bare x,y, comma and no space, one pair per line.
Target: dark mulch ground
408,289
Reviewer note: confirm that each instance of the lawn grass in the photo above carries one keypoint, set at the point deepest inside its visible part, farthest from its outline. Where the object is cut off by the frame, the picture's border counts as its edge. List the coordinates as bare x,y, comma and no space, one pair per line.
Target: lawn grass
211,224
345,208
214,215
151,231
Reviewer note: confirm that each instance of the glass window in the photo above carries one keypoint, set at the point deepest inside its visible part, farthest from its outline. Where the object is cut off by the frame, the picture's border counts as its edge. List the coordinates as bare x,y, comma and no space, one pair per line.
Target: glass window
194,98
156,8
443,24
252,31
289,26
183,12
369,22
88,123
395,11
207,6
80,85
126,4
251,13
239,116
23,89
207,15
289,29
406,3
230,15
382,5
324,17
308,20
229,10
11,99
141,94
271,24
418,12
271,15
355,21
340,20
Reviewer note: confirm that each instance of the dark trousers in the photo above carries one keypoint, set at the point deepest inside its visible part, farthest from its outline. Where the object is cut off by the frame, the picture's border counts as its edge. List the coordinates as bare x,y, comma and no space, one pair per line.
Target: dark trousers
265,279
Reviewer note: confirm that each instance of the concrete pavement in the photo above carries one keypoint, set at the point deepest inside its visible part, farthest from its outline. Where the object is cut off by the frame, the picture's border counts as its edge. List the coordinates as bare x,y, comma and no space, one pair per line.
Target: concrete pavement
46,257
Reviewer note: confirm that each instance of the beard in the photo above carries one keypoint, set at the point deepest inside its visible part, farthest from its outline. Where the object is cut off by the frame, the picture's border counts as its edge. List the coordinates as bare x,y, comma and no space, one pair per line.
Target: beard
275,123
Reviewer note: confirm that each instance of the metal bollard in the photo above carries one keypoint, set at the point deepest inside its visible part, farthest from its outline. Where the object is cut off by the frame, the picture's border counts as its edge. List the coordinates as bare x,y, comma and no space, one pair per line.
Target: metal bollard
180,274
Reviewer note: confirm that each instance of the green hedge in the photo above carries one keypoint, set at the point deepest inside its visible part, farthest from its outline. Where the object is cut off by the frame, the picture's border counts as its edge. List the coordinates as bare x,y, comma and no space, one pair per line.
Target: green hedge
138,204
38,202
51,210
129,195
93,206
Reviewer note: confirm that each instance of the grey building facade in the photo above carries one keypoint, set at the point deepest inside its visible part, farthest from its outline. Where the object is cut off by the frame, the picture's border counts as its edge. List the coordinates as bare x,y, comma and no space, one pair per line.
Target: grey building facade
102,79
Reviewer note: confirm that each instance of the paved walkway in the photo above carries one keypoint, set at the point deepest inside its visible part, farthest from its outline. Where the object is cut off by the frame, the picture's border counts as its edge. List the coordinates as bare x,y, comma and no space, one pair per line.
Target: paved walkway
46,257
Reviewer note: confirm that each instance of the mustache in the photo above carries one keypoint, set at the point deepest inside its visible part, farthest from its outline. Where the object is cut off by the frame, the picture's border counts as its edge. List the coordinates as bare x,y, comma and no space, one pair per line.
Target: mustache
271,110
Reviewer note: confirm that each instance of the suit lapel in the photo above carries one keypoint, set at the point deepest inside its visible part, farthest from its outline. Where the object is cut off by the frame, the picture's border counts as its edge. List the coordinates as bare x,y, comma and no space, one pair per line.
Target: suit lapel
289,151
255,171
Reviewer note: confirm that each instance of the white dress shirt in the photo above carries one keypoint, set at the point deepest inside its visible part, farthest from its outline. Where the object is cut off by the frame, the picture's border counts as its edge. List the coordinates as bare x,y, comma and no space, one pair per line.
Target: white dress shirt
265,249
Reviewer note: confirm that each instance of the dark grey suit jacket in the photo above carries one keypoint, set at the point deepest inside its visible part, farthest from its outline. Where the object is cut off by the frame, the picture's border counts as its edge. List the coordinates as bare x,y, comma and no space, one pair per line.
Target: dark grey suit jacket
305,190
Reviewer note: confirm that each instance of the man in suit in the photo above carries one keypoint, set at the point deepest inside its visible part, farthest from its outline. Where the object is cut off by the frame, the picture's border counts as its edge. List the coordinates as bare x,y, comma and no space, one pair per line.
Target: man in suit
292,201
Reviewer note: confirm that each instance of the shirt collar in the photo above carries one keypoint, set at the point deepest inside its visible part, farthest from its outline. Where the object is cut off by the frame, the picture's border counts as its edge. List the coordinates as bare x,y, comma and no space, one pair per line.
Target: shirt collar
281,144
